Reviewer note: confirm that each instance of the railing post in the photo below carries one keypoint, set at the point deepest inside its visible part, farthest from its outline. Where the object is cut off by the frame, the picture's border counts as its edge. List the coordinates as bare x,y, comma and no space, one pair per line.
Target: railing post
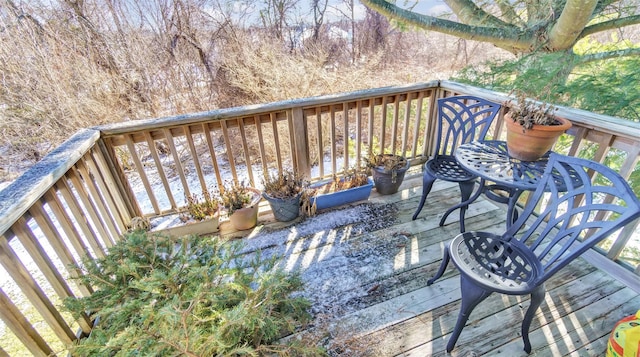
300,142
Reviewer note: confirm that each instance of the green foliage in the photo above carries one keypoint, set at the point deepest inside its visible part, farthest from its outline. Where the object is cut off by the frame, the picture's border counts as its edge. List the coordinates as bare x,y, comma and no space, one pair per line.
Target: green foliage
607,87
162,296
531,74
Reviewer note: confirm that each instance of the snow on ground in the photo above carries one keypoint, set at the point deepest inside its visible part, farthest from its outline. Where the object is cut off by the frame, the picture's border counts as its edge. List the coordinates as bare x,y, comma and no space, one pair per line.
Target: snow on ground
335,252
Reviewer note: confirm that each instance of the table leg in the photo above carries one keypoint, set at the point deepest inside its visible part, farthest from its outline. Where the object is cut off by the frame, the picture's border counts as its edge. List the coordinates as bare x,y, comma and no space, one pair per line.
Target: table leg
512,214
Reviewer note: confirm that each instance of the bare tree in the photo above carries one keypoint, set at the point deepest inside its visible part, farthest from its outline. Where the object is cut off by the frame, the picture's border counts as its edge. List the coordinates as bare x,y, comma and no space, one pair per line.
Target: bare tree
318,7
525,26
275,16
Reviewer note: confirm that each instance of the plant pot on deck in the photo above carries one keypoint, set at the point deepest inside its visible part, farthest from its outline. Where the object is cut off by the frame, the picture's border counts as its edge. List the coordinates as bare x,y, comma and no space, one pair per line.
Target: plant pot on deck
284,209
531,144
339,198
205,226
388,179
247,217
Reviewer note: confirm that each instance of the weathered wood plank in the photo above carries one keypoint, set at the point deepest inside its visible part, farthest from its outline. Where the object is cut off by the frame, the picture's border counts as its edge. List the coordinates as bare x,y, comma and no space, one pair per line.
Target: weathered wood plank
16,199
143,175
27,283
161,173
22,328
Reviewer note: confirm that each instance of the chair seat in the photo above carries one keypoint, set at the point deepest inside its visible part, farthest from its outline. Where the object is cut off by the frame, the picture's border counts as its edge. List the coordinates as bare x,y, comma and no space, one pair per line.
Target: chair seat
446,167
498,265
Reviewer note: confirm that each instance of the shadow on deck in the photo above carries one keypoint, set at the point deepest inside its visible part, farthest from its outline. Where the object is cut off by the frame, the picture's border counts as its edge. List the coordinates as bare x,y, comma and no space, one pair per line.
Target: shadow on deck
366,266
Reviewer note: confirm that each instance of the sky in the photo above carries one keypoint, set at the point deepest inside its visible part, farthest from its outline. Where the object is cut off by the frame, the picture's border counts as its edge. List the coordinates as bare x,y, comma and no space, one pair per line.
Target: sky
426,7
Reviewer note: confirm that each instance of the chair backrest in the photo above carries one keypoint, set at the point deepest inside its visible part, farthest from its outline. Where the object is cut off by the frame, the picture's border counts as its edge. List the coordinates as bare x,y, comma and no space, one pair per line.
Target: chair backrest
580,203
463,119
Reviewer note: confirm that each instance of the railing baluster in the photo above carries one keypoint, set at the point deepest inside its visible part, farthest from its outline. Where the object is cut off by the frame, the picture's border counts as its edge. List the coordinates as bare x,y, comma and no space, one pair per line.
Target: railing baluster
345,135
212,153
405,126
320,142
394,125
141,173
47,267
160,169
178,164
89,208
14,266
98,201
334,159
416,125
104,193
383,125
276,140
99,165
63,252
358,133
245,149
22,328
230,158
196,160
71,201
370,120
263,154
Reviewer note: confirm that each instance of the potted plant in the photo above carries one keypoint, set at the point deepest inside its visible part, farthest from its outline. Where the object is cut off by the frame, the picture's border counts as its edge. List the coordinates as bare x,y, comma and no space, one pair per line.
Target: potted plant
283,191
201,216
354,185
241,204
388,171
532,128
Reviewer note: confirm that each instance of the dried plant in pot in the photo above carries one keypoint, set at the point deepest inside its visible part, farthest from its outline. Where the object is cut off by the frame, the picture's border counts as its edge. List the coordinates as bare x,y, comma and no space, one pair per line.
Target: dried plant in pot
353,185
387,171
201,216
532,128
241,204
284,190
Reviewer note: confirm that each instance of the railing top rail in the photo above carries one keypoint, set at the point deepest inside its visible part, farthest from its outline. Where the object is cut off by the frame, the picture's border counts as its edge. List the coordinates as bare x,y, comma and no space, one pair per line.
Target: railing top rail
605,123
21,194
248,110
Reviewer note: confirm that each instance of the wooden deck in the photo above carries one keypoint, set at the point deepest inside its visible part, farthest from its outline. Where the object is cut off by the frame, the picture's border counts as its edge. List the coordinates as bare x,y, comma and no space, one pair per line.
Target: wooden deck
367,281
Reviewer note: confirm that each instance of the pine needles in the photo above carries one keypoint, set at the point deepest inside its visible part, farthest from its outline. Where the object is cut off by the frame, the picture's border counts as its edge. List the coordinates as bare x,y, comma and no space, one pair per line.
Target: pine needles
189,296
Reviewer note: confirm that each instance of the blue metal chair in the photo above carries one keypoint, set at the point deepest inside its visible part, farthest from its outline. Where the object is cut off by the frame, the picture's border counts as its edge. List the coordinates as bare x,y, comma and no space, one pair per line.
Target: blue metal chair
461,119
580,203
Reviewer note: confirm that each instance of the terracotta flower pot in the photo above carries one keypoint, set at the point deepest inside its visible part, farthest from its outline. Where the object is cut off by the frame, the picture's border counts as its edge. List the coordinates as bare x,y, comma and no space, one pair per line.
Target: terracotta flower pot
247,217
531,144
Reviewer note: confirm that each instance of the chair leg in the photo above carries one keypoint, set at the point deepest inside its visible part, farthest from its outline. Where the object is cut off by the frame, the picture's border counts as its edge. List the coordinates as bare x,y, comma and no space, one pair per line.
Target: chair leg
442,268
466,188
537,297
427,183
472,295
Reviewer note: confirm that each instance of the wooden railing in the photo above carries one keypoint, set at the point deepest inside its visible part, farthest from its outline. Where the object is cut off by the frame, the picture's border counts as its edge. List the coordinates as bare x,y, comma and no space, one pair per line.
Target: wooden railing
83,196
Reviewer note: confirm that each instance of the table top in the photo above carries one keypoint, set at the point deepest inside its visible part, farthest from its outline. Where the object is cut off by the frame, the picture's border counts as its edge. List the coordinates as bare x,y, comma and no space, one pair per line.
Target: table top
490,160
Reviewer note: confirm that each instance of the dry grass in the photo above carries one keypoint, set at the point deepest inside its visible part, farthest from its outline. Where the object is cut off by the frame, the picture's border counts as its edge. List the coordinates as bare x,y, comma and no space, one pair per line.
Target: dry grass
61,76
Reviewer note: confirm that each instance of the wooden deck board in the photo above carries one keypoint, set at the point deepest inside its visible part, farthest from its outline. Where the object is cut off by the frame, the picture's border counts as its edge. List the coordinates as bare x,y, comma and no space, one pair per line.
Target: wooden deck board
385,307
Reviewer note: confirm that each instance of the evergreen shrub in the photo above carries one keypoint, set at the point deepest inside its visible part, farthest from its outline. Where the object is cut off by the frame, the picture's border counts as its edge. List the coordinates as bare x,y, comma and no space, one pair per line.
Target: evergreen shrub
164,296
